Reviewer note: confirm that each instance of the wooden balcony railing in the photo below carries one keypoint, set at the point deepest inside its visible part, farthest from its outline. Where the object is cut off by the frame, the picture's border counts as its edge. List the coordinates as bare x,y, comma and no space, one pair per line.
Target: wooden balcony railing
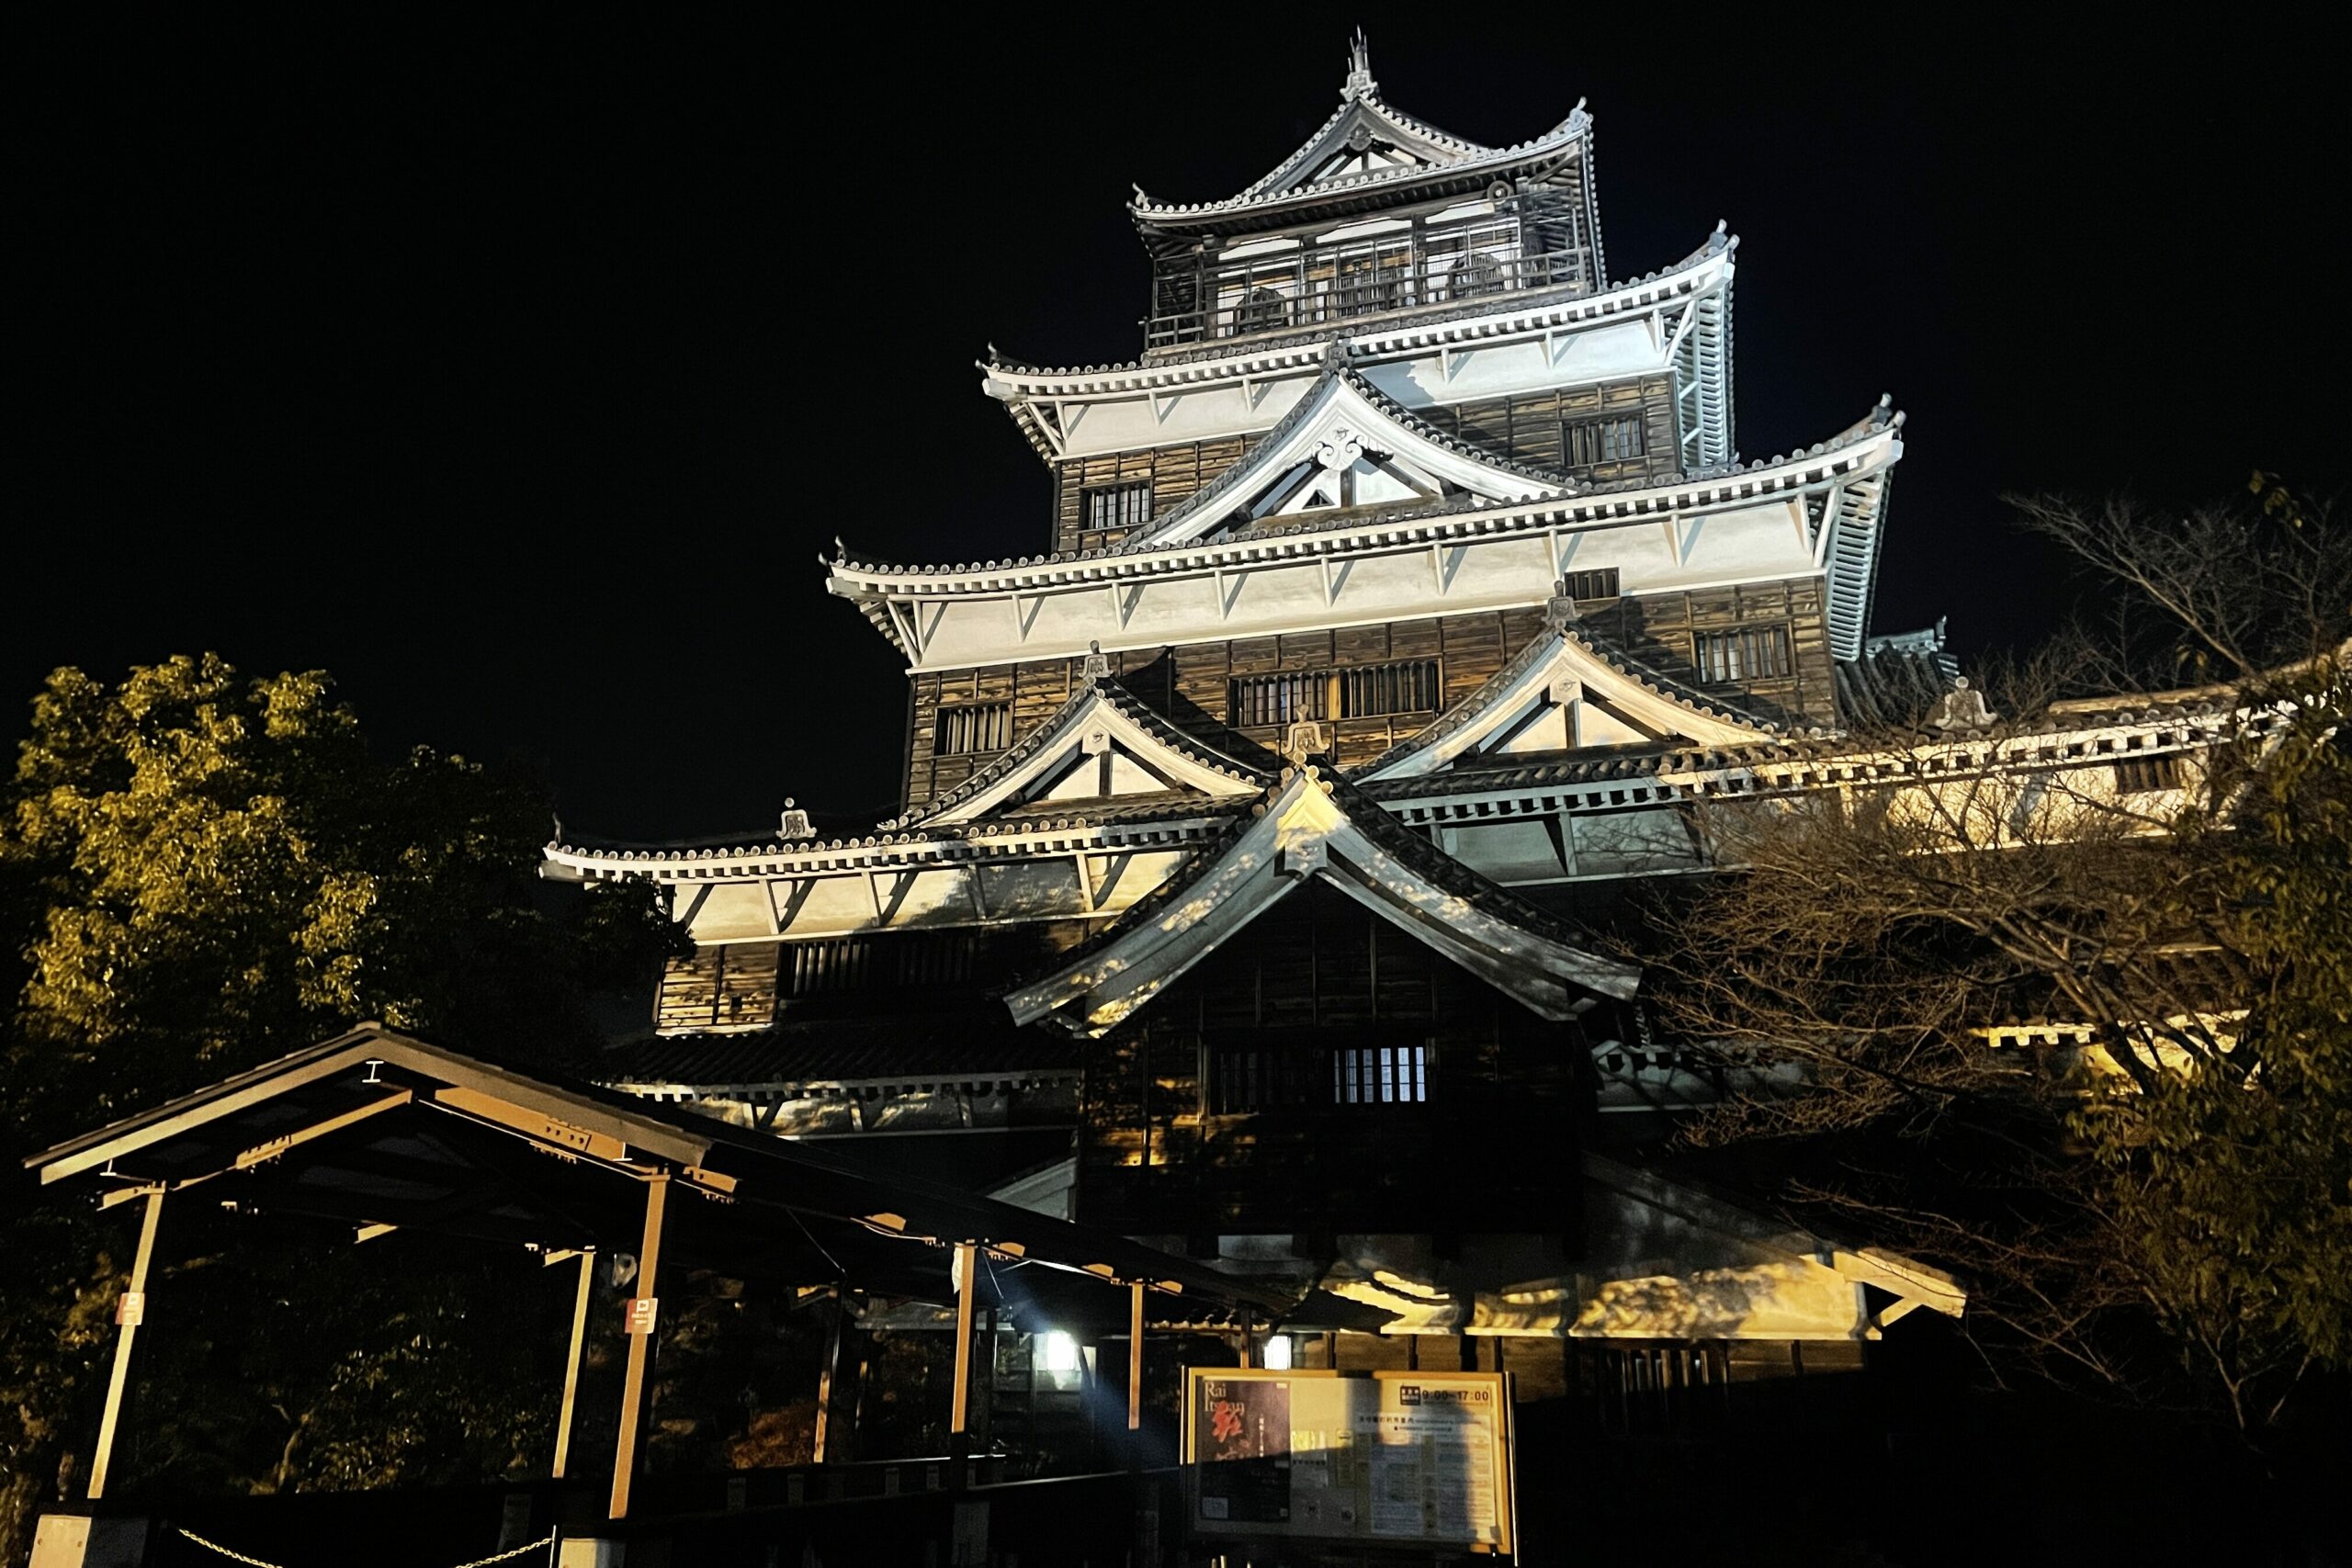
1314,290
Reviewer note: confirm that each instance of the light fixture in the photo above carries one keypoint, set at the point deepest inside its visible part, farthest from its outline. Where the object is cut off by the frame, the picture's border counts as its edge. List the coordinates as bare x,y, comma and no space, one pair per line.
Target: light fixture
1278,1352
1057,1352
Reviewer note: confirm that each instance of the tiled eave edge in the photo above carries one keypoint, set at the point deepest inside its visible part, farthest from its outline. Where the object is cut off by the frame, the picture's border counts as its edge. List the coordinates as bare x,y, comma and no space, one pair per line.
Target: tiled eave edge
1561,139
1537,311
1543,789
874,586
980,843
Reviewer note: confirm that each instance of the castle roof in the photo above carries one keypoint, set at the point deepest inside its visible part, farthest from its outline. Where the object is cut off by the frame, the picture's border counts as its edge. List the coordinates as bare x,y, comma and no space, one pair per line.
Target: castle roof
1365,153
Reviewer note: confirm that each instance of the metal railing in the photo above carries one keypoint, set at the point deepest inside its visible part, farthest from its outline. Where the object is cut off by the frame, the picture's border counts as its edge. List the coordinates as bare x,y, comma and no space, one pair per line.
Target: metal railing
1314,291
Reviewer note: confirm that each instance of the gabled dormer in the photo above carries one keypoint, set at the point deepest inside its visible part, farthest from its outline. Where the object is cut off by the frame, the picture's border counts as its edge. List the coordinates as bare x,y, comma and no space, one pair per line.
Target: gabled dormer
1102,752
1346,448
1376,213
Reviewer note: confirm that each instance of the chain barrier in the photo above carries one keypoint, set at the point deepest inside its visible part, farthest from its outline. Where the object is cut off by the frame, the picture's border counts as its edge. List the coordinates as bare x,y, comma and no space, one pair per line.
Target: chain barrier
547,1541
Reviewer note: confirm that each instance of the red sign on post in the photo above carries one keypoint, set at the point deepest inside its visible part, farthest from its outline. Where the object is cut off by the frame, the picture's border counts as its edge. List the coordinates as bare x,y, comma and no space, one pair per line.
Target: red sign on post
642,1314
130,1309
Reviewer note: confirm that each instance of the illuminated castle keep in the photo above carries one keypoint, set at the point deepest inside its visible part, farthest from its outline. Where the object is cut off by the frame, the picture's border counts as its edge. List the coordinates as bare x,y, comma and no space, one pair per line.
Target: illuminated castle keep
1394,606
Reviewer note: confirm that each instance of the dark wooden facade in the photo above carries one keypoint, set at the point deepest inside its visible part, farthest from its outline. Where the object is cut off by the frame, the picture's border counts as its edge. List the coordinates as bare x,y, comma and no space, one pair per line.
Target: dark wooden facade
1165,1148
1193,684
1526,428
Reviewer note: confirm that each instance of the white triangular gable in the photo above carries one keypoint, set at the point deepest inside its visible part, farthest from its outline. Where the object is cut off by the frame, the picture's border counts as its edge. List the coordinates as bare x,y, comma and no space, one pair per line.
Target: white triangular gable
1094,750
1344,445
1303,834
1562,696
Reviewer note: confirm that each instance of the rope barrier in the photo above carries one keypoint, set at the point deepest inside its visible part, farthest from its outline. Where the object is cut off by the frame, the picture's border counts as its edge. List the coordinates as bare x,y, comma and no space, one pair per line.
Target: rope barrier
547,1541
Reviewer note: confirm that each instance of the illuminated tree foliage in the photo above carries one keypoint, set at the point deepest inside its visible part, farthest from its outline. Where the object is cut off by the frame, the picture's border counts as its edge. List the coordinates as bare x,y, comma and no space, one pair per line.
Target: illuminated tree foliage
199,872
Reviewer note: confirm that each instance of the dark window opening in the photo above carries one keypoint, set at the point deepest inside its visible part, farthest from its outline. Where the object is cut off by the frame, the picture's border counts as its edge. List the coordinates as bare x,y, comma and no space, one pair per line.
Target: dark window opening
1366,690
2145,776
1751,653
1116,506
981,727
1243,1079
1597,584
1587,444
1263,700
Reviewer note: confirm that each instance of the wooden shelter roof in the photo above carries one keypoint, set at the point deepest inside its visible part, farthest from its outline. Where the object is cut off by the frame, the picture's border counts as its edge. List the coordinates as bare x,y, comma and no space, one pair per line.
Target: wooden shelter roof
375,1128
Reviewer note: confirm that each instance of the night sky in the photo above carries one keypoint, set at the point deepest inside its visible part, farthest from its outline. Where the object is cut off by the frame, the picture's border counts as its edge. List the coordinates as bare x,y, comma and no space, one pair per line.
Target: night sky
517,370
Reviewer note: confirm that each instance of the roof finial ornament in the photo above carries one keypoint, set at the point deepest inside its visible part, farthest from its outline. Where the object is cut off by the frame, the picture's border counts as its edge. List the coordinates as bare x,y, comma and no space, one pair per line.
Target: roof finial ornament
794,822
1961,708
1359,83
1560,610
1096,666
1304,739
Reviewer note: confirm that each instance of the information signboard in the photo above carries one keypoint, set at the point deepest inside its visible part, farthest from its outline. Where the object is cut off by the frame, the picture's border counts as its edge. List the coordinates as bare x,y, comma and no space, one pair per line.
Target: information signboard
1407,1458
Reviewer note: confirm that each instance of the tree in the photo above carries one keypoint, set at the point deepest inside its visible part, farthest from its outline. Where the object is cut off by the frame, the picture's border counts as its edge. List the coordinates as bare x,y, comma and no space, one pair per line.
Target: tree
2158,1204
199,873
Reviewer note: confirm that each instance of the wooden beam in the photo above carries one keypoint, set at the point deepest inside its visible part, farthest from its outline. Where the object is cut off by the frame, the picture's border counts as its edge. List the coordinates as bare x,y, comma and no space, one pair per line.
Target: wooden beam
643,1308
571,1365
247,1158
968,1268
825,1377
1134,1356
130,1311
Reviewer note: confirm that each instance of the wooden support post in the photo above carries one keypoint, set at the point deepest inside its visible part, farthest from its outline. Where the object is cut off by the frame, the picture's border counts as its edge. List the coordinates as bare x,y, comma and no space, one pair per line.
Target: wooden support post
129,1311
959,1441
825,1376
1135,1357
571,1363
643,1308
1249,1338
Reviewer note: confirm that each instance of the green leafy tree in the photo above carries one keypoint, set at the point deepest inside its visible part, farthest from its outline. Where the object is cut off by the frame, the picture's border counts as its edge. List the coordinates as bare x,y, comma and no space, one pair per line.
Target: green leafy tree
199,872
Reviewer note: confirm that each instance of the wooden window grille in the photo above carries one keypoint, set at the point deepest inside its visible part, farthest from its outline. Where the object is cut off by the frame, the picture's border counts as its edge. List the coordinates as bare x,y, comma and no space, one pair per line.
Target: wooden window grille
1480,272
1243,1079
830,964
2145,776
1600,583
1407,686
979,726
1265,310
1587,444
1369,284
1116,506
1258,700
1366,690
1750,653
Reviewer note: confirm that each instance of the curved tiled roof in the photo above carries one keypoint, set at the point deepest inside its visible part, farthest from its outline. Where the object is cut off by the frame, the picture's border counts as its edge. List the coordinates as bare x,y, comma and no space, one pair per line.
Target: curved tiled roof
1288,350
1883,416
1365,813
1470,158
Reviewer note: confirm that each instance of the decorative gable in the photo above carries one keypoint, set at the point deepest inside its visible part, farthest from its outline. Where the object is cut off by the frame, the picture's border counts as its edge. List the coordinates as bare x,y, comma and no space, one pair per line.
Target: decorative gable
1102,745
1316,829
1566,691
1346,446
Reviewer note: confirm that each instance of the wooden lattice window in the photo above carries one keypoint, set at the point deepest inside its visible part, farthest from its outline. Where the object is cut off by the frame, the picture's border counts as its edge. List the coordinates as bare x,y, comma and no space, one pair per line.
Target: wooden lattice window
1600,583
2145,776
977,727
1264,700
1407,686
1749,653
1587,444
1116,506
1363,691
1279,1075
1265,310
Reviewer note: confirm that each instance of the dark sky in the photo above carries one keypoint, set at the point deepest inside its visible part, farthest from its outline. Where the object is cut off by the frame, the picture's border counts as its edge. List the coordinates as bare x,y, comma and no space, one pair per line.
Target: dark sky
516,369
